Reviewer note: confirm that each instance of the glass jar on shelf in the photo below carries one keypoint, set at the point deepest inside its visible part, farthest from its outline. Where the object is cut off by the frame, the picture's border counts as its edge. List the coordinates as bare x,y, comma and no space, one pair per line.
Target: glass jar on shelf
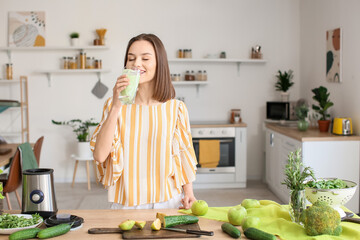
90,62
72,62
65,62
235,116
9,71
82,60
98,64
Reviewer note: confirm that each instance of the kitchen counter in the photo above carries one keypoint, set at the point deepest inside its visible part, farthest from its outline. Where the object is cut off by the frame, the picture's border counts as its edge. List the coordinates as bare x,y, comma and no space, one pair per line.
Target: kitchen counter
112,218
312,134
216,124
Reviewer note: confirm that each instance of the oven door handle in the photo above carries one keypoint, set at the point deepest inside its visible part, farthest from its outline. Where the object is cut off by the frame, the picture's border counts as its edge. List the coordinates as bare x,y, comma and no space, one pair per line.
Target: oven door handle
221,141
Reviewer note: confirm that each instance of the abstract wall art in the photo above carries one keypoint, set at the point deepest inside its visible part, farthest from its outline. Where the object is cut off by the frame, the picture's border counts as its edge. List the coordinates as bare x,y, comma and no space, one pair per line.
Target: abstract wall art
333,55
27,29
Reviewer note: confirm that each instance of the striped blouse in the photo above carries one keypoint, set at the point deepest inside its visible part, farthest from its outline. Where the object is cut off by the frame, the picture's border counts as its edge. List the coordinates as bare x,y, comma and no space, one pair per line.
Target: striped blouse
152,154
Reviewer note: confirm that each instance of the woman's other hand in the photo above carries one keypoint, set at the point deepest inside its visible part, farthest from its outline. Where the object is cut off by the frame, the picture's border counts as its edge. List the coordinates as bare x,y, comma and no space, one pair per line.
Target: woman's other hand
189,197
121,83
187,201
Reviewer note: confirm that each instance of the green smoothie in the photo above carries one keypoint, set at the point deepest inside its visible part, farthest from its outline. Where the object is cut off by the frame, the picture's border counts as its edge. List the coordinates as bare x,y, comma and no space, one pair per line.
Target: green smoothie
129,93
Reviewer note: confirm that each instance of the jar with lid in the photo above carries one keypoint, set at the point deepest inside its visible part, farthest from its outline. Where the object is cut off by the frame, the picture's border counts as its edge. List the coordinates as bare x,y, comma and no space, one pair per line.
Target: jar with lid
72,62
204,77
65,62
180,53
186,53
90,62
192,75
187,75
199,76
82,60
177,77
235,116
98,64
9,71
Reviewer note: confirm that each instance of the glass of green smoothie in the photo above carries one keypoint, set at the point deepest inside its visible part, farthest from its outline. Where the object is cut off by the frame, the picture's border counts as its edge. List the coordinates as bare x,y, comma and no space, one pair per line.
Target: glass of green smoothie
127,96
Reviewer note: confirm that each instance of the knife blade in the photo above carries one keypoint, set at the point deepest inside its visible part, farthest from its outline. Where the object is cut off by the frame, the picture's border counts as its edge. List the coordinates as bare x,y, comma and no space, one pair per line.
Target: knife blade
197,232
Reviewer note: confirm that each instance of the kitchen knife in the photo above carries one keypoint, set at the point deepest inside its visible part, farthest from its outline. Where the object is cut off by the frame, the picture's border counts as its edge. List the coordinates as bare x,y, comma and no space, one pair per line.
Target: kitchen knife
104,230
197,232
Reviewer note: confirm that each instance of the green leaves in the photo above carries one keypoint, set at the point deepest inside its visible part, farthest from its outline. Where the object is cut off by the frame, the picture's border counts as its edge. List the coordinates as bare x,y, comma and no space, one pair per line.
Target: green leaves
322,97
81,128
327,184
13,221
284,81
296,173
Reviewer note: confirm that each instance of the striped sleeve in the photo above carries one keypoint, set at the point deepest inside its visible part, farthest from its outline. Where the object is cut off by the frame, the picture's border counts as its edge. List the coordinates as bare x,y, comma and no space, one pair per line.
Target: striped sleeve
183,153
111,169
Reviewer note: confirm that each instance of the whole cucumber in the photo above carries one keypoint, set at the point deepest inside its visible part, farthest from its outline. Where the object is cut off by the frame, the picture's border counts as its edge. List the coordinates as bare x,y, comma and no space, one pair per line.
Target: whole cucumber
257,234
231,230
54,231
24,234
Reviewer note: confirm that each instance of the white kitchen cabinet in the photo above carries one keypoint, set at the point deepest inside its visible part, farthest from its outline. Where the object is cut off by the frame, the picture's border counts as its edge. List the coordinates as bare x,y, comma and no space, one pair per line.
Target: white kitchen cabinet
330,157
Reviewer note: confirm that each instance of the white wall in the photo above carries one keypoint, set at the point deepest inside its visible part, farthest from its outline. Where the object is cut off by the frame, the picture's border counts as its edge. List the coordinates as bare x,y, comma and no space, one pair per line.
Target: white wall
316,18
205,26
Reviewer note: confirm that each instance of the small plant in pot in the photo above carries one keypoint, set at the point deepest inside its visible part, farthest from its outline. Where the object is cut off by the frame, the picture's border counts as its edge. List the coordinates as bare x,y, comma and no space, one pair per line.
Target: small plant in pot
284,83
302,113
322,97
81,129
74,38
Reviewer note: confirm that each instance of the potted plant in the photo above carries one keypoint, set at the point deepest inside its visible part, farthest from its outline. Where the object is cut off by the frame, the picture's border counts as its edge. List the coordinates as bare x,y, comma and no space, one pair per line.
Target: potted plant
302,113
74,38
81,129
322,97
296,174
284,83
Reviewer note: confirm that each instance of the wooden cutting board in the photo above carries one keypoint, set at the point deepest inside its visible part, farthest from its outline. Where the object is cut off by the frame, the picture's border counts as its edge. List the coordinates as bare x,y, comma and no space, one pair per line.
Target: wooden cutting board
148,233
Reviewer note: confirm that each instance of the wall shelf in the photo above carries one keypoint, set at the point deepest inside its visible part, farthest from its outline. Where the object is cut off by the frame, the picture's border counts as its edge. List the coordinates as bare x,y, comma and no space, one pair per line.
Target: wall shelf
49,73
238,61
9,50
189,83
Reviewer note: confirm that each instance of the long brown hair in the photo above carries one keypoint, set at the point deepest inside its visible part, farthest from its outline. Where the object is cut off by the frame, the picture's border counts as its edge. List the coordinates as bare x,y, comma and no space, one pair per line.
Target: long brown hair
163,88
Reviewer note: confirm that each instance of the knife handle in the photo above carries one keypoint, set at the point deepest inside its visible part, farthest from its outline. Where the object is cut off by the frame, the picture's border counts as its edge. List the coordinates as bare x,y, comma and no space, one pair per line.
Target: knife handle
200,232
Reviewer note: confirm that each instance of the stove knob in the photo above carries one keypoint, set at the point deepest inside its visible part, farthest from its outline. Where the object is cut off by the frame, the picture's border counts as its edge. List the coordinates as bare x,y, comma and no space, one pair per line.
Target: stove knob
223,131
211,132
201,132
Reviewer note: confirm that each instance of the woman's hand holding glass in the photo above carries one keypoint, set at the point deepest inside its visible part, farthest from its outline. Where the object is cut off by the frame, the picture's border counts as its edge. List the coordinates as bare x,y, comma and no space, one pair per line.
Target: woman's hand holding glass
121,83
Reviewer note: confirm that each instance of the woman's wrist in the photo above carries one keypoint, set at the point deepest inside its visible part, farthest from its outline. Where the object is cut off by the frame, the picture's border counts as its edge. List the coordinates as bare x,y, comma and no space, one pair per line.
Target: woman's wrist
188,189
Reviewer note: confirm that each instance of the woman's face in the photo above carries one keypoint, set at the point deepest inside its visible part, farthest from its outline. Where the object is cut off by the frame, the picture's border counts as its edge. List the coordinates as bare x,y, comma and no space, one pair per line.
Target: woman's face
142,56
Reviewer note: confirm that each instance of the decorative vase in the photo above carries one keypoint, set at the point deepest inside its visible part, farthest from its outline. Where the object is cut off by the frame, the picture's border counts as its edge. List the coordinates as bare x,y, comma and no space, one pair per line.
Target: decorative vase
297,204
74,41
83,150
284,96
302,125
324,125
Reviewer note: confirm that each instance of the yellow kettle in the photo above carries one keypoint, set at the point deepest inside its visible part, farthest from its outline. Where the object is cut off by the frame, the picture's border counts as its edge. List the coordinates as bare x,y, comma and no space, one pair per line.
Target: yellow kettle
342,126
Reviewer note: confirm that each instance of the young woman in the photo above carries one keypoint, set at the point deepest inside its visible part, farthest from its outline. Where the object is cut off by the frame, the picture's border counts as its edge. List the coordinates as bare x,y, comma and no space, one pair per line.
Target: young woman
144,150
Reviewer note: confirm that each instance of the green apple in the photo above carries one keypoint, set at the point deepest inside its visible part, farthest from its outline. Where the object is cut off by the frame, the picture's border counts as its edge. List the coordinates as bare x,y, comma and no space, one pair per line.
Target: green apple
236,215
250,203
250,221
199,208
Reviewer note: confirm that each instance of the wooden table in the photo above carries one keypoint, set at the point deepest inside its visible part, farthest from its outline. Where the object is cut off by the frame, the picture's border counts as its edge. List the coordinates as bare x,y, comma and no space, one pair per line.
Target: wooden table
112,218
5,159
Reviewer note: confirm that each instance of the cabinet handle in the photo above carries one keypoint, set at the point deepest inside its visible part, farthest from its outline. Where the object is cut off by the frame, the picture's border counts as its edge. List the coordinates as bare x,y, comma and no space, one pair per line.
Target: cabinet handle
272,139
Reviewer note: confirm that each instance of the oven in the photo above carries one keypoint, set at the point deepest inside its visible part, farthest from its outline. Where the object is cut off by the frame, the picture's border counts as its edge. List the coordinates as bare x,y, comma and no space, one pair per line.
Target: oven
226,138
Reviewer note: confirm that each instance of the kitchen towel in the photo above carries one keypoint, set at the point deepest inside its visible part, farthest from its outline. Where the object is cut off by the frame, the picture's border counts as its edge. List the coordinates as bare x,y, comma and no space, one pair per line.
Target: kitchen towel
209,153
27,157
275,219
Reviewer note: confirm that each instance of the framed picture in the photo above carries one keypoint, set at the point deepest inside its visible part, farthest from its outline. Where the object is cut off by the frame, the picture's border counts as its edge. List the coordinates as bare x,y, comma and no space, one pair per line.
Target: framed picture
26,29
333,55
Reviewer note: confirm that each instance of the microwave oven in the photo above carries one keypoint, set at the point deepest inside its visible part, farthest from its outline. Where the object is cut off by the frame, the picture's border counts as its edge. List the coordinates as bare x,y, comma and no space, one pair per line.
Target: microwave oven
281,110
